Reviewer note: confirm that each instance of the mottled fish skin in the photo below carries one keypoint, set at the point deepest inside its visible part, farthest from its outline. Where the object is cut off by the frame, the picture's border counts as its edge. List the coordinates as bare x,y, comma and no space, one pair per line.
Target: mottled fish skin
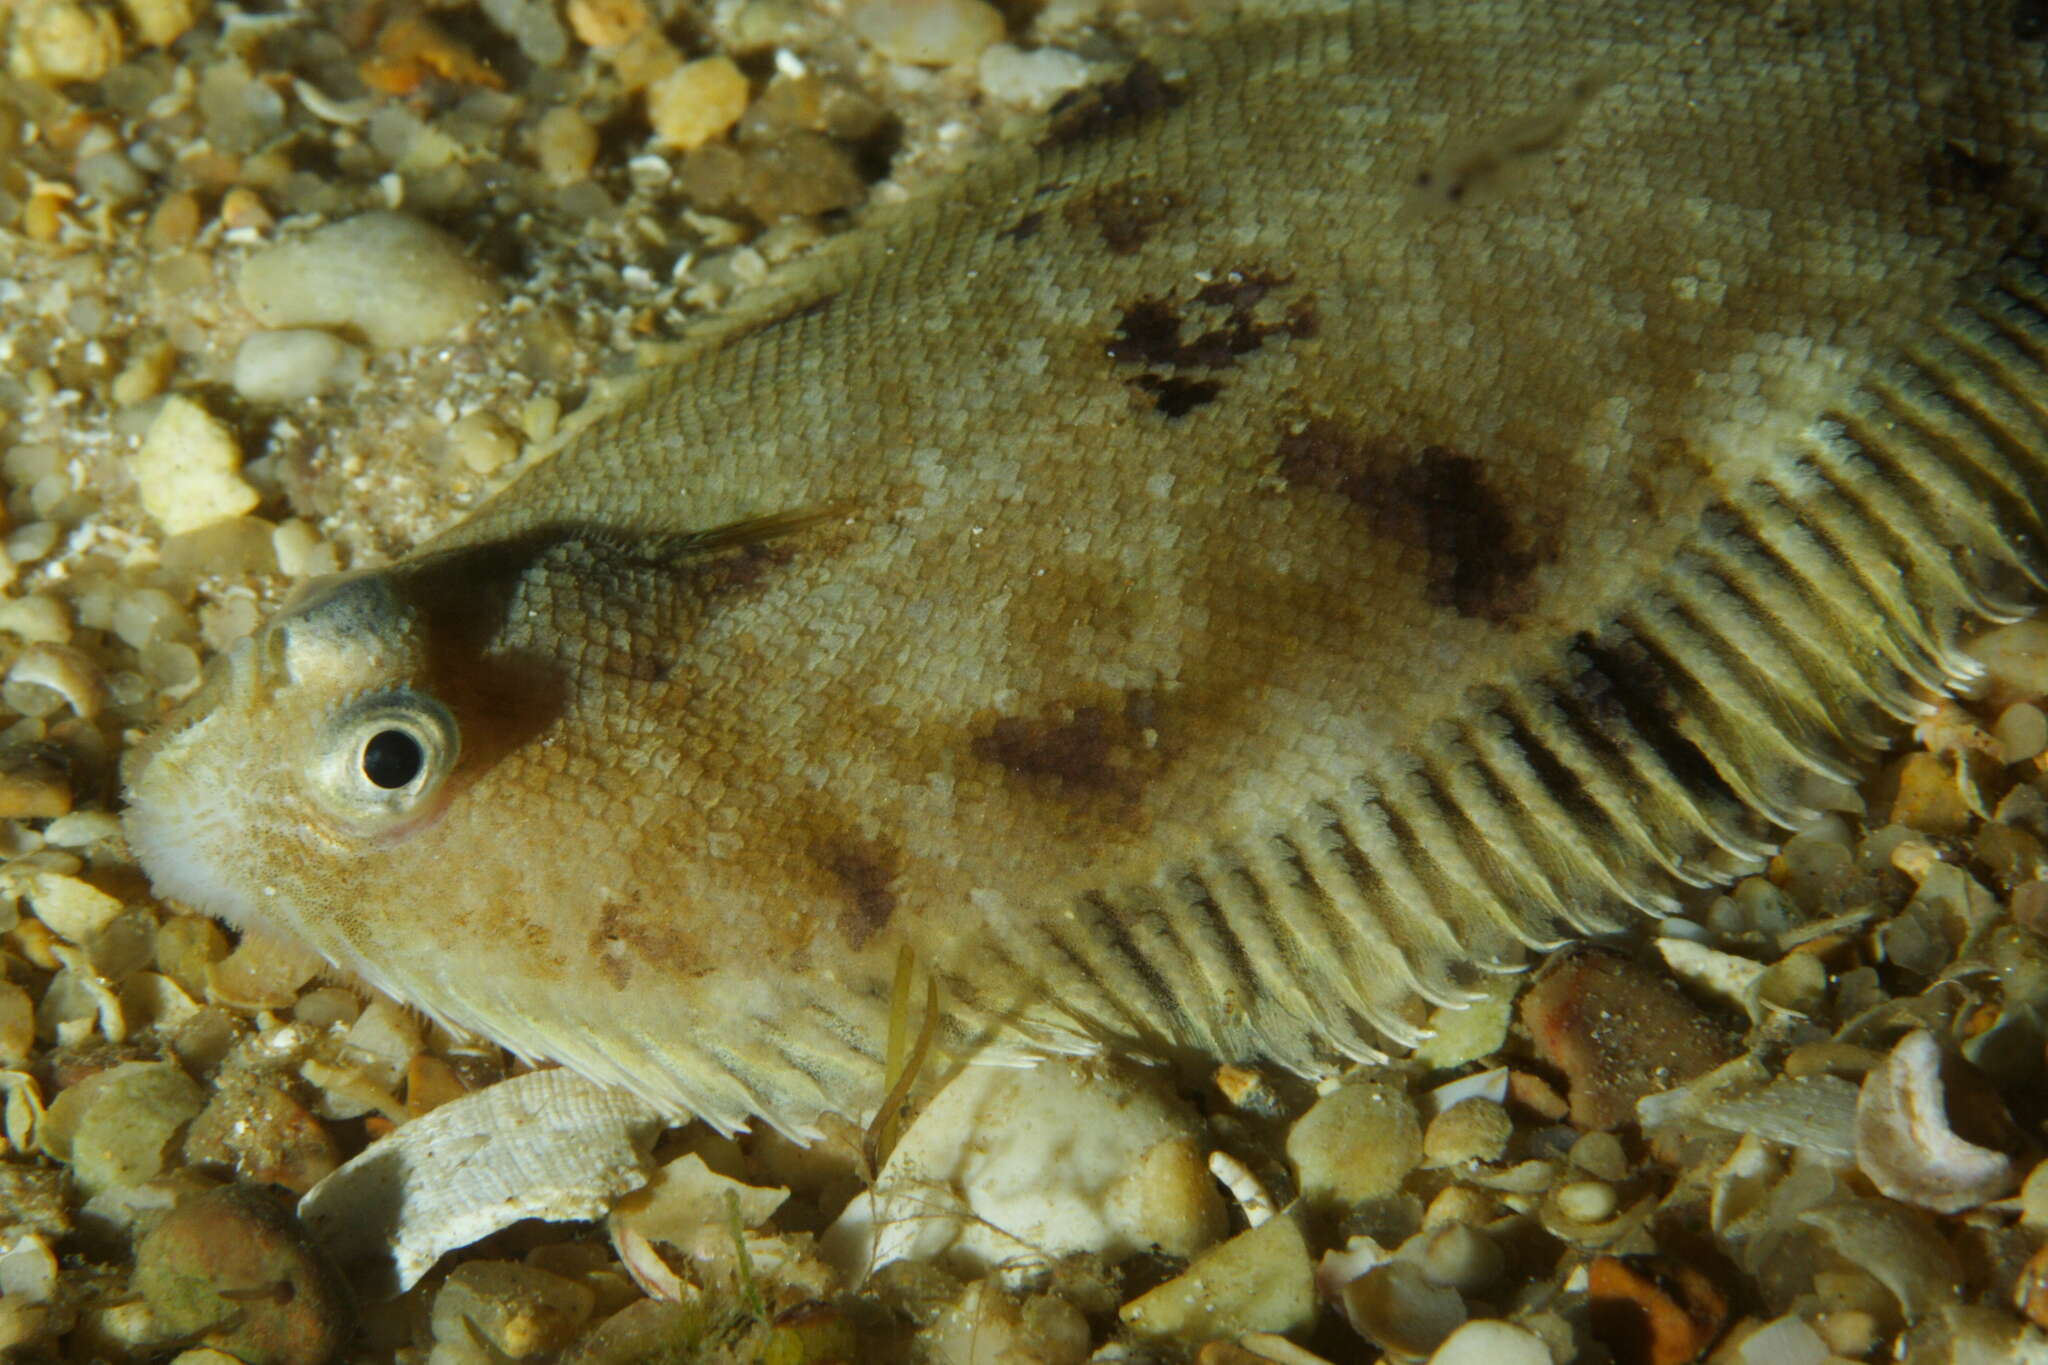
1362,495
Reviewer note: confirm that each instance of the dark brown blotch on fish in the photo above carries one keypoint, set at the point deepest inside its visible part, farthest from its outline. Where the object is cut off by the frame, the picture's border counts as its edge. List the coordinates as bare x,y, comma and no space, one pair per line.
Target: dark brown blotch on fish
1481,561
861,870
1132,98
1123,214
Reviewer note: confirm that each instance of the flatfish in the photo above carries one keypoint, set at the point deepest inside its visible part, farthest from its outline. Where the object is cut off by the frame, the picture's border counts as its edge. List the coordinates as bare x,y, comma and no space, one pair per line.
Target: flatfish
1364,495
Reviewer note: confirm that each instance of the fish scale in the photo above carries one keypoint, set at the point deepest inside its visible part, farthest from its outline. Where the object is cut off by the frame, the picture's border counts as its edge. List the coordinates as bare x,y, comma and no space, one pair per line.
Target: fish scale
1371,492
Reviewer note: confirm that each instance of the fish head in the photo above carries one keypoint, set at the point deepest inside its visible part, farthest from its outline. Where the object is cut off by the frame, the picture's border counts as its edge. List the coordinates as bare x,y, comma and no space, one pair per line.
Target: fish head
308,744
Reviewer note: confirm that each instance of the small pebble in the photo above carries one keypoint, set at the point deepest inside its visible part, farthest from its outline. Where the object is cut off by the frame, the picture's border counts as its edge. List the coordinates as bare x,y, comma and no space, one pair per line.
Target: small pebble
114,1127
264,1135
531,24
608,23
1470,1130
17,1025
1457,1256
75,909
1033,79
58,41
300,551
35,783
2022,732
159,23
292,364
565,145
1258,1281
1492,1342
697,102
1586,1201
483,443
927,32
231,1269
188,469
1358,1142
1619,1032
1929,799
1653,1310
513,1310
397,280
1398,1308
985,1326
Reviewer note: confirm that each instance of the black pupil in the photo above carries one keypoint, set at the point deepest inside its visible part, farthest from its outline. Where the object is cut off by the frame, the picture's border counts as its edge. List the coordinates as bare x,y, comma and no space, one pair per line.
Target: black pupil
392,759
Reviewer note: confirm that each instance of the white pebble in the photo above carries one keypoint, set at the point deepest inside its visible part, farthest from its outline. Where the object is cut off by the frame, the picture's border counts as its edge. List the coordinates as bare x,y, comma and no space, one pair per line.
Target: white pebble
927,32
300,551
1587,1201
188,469
1492,1342
296,363
1033,79
396,279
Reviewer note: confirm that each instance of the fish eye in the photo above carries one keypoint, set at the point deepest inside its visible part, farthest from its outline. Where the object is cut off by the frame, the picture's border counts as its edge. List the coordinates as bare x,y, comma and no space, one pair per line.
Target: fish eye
382,758
393,758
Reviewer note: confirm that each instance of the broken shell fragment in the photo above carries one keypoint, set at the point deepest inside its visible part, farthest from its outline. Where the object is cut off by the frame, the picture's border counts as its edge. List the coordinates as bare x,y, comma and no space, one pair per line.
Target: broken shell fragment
1905,1144
546,1145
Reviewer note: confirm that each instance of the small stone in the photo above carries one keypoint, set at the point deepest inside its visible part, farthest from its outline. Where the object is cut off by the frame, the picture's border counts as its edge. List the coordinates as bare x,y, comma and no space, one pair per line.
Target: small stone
533,26
927,32
1619,1032
300,551
646,1331
395,279
1470,1130
17,1025
159,23
1586,1201
1033,79
483,443
697,102
1492,1342
608,23
242,207
35,782
985,1325
58,41
75,909
1652,1310
264,1135
1929,799
186,946
514,1310
1005,1166
231,1269
292,364
2021,731
1396,1307
1357,1143
115,1127
188,469
565,145
1258,1281
1457,1256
